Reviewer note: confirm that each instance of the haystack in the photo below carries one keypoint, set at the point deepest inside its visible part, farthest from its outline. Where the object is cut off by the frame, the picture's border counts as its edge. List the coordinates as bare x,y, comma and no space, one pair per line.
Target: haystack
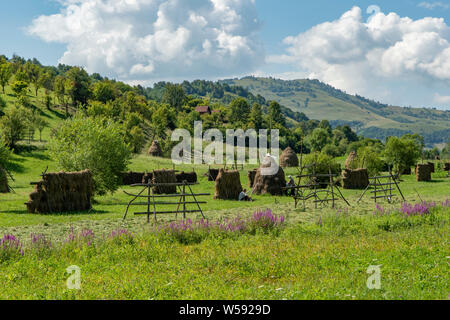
266,183
62,192
251,178
147,178
155,150
212,174
129,178
164,176
355,179
431,165
228,185
190,177
288,158
423,172
352,161
4,188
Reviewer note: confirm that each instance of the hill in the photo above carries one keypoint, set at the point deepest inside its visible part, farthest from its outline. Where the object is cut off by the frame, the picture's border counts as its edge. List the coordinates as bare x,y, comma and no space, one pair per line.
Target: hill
372,119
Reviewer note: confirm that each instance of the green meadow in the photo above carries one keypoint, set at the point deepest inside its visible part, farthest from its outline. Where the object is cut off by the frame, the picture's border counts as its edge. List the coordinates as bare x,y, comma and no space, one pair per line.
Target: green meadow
321,253
317,253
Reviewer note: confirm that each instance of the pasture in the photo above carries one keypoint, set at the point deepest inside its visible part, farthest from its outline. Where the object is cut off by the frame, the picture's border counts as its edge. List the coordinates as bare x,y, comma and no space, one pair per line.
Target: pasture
319,253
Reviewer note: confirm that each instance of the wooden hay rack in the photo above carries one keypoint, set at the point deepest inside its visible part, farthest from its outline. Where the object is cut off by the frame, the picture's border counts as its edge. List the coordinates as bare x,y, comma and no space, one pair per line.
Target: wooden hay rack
305,191
153,199
382,188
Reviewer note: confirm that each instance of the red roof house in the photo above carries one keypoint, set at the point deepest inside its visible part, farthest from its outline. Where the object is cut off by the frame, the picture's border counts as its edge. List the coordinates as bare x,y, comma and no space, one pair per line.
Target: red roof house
203,109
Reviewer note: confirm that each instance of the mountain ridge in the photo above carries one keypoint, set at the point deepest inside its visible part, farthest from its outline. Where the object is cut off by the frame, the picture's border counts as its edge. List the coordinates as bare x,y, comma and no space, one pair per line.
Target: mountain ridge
370,118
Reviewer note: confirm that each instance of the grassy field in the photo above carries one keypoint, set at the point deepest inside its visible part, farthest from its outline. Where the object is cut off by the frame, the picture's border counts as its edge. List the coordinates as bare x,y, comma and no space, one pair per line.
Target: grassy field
318,254
321,253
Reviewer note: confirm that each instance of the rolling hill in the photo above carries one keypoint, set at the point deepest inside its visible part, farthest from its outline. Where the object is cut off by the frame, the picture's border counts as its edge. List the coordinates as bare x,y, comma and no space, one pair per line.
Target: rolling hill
369,118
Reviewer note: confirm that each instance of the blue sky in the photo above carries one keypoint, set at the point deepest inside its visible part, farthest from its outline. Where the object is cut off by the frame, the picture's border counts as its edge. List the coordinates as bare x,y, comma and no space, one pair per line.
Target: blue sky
129,46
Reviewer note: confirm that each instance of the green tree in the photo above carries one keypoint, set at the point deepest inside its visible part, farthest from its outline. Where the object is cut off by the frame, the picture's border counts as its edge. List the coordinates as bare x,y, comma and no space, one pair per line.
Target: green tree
2,103
59,87
160,122
174,95
136,138
369,157
275,115
318,139
402,153
19,88
5,153
45,81
239,110
5,74
13,125
104,91
256,117
39,123
33,72
331,150
325,124
90,143
78,86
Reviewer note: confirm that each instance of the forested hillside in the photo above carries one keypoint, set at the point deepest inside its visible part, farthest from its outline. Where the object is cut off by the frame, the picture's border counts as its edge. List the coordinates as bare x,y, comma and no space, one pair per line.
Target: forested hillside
369,118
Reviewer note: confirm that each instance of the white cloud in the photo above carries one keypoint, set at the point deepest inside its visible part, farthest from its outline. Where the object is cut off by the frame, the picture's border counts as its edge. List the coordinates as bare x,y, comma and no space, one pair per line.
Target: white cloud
445,100
378,58
433,5
156,39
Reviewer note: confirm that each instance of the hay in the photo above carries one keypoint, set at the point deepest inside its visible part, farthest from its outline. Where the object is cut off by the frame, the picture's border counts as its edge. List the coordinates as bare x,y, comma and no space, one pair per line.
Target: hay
423,172
288,158
352,161
129,178
355,179
272,184
228,185
190,177
4,187
447,166
164,176
155,150
431,165
62,192
251,178
212,174
147,178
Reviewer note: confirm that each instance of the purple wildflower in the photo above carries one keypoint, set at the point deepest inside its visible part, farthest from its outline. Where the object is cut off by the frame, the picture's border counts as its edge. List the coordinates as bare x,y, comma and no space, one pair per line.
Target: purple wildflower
419,209
39,241
9,246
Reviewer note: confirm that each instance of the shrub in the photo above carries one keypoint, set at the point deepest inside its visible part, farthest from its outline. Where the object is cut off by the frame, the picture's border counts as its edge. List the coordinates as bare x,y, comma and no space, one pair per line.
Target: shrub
370,159
331,150
92,143
320,163
13,124
402,152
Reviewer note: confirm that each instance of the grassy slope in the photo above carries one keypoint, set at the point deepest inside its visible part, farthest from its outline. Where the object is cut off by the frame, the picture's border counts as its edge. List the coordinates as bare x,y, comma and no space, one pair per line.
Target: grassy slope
325,106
